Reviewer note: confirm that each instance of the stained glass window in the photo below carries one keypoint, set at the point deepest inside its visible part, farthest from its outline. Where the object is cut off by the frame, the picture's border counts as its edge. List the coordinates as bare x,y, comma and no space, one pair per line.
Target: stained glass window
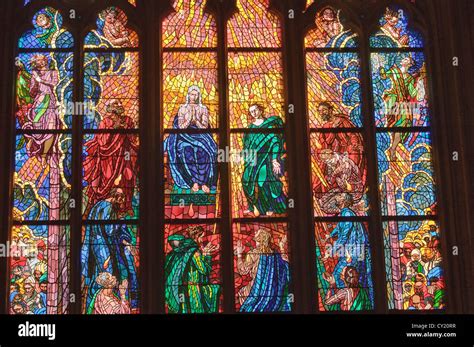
339,165
190,121
413,261
110,234
40,236
259,184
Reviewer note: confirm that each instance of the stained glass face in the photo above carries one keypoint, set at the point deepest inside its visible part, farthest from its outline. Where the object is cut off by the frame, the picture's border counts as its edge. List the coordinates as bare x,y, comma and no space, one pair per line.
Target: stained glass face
110,181
44,89
39,269
400,89
111,90
190,82
254,26
344,267
47,32
259,176
395,31
330,31
255,78
110,269
191,175
42,177
112,31
406,174
193,282
261,268
333,89
415,279
339,173
189,26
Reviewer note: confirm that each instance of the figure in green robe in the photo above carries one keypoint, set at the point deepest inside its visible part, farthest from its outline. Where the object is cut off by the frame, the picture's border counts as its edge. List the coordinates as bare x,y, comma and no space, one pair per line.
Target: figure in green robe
263,165
400,99
187,270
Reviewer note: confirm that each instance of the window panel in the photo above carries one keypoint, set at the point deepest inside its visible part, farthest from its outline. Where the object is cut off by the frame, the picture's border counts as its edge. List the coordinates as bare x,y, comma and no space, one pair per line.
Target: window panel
182,73
193,268
330,31
110,182
400,89
110,269
111,31
339,174
406,174
261,265
254,26
395,32
48,31
189,26
415,276
42,183
39,269
344,266
110,77
191,176
44,91
334,79
259,176
255,78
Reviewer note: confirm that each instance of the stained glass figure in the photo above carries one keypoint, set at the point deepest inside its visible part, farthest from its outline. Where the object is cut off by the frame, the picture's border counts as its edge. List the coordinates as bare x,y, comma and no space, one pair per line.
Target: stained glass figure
262,269
110,263
344,265
192,269
112,31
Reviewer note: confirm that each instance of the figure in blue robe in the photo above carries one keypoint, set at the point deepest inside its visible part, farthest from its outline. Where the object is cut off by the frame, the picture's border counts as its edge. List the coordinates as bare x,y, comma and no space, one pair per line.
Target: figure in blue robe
351,245
268,292
192,155
106,248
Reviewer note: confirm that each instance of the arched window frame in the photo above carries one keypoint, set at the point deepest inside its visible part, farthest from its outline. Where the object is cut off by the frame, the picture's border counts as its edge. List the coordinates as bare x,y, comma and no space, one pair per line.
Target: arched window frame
365,25
75,222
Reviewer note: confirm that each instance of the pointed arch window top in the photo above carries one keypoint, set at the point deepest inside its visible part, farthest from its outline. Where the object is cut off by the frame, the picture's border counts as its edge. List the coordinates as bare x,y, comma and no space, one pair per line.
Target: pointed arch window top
112,31
190,26
330,31
394,31
47,32
254,26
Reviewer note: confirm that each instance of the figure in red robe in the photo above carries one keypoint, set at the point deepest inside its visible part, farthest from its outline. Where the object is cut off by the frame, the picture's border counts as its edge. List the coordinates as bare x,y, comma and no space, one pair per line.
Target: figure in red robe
111,160
339,143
